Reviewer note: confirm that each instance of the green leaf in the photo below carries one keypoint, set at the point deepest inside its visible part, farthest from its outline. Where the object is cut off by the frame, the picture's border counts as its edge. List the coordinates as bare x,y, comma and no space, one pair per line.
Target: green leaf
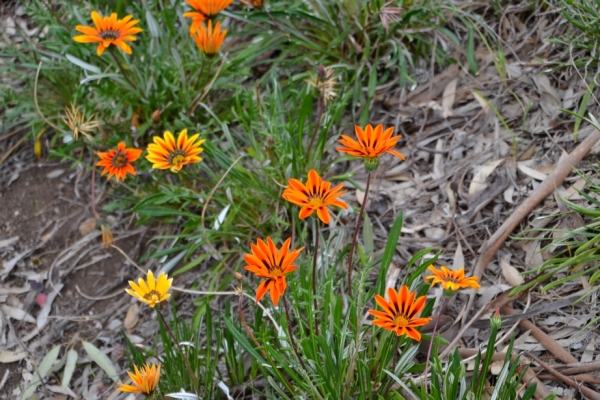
471,60
83,64
368,235
42,371
102,360
390,250
69,368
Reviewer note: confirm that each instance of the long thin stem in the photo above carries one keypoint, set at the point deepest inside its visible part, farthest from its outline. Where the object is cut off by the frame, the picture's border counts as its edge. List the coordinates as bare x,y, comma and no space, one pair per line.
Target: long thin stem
246,327
185,359
394,364
112,53
320,107
94,194
360,215
200,95
314,275
437,320
291,333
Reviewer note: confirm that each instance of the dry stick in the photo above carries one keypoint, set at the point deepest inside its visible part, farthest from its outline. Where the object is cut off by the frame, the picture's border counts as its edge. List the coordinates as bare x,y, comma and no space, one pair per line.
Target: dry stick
437,320
556,177
35,102
549,184
314,275
210,195
112,53
183,355
587,392
320,107
356,228
291,334
247,328
545,340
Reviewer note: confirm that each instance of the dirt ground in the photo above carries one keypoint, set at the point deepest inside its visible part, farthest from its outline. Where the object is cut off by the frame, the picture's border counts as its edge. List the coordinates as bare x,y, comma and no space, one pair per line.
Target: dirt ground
47,225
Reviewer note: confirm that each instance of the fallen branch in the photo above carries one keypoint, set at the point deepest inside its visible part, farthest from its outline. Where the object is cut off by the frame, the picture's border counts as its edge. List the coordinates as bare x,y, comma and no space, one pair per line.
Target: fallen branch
587,392
554,179
549,344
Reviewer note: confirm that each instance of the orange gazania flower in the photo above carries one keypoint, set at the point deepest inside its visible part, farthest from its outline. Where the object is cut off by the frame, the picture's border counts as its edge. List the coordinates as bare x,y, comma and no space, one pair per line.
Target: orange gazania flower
399,313
209,40
118,161
272,265
205,9
451,280
315,196
145,380
109,30
167,153
371,144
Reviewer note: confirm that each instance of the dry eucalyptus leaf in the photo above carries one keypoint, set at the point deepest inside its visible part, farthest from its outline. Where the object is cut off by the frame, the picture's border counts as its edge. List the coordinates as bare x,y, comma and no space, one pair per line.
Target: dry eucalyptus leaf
531,172
479,181
7,356
16,313
482,102
87,226
360,196
459,258
131,319
448,98
511,274
102,360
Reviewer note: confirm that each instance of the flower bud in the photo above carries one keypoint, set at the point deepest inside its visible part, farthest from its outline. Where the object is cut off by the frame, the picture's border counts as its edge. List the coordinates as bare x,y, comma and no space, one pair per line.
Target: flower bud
371,164
496,320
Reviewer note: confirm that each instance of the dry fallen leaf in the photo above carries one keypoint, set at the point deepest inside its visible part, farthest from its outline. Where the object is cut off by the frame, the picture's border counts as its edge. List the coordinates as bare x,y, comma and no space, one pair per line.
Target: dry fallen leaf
448,98
87,226
511,274
531,172
479,181
360,196
131,319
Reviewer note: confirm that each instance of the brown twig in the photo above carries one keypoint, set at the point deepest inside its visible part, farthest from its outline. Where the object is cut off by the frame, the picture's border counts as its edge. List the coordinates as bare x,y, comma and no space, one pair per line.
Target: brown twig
357,227
247,328
587,392
554,179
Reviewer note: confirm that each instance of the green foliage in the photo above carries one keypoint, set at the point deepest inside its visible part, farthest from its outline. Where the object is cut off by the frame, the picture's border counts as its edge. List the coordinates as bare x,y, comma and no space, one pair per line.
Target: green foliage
264,124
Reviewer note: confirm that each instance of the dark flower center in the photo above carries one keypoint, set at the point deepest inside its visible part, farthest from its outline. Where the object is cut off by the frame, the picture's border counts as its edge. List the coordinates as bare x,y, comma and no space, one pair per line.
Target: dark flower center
109,34
119,160
152,295
176,158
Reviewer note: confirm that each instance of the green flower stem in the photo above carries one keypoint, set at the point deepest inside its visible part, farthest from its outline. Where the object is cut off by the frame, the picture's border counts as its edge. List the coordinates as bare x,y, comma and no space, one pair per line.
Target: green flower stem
291,333
314,275
437,320
360,215
185,359
112,53
200,95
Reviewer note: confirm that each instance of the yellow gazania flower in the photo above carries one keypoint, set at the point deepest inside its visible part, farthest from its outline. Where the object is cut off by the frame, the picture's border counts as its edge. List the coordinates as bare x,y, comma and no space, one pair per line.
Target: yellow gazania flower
451,280
109,30
145,380
170,154
400,312
205,9
152,292
316,195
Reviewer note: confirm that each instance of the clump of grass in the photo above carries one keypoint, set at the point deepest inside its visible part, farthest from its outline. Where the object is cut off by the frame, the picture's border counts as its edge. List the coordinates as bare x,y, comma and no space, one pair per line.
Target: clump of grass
211,125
